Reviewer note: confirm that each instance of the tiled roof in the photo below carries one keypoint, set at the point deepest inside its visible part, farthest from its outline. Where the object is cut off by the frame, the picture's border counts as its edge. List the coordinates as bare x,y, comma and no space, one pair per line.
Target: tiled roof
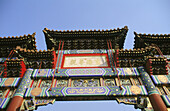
144,40
117,35
27,40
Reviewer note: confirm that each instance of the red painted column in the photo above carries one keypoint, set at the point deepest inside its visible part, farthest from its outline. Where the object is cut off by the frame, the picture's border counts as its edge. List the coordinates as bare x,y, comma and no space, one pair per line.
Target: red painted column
23,68
117,57
157,102
54,59
15,103
5,69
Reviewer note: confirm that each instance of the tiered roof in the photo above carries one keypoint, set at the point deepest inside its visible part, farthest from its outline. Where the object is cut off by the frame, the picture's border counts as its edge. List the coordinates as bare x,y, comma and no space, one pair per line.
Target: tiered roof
161,40
34,54
10,43
33,58
135,57
89,39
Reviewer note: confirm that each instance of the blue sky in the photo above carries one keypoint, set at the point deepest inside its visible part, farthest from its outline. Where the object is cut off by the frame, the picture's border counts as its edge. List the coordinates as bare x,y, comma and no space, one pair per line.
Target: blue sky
19,17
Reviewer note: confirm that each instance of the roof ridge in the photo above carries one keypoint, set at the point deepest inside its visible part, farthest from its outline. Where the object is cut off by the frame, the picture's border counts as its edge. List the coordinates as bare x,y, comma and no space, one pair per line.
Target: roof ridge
91,30
137,49
144,34
36,51
11,37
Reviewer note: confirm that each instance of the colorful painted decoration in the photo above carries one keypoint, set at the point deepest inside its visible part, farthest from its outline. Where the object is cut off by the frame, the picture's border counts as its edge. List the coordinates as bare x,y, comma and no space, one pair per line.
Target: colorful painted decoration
127,100
125,81
160,79
24,83
30,104
85,83
109,82
9,82
38,92
11,93
136,81
46,83
55,92
61,83
2,92
161,91
147,81
166,99
85,51
35,83
168,89
134,101
86,72
44,101
86,91
42,73
100,72
83,91
135,89
81,72
4,102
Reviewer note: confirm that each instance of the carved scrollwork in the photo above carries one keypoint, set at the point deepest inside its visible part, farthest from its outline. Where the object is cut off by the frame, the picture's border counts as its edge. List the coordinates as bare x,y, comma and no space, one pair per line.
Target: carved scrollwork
61,83
86,83
109,82
46,83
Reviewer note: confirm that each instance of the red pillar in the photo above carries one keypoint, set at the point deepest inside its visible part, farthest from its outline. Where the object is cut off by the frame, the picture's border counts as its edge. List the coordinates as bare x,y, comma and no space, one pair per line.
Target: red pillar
15,103
157,102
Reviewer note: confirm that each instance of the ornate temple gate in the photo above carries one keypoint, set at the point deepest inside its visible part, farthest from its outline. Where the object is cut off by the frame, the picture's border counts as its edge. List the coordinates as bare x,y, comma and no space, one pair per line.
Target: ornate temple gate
84,65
